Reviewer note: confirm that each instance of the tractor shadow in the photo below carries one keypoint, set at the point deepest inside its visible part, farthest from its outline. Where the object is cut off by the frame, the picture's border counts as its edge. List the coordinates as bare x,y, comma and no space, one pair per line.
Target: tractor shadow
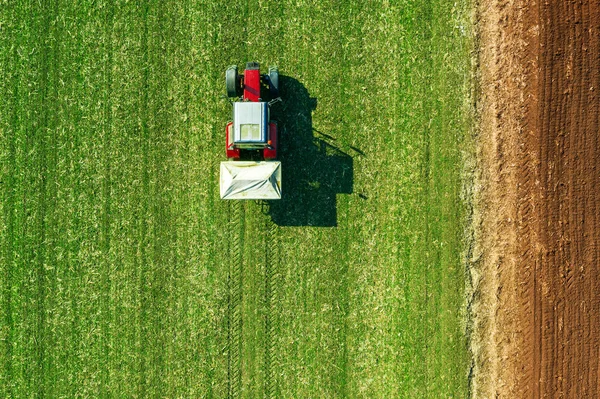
313,169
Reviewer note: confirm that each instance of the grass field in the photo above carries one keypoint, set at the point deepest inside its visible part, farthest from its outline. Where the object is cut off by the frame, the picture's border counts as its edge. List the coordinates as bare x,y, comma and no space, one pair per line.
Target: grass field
124,275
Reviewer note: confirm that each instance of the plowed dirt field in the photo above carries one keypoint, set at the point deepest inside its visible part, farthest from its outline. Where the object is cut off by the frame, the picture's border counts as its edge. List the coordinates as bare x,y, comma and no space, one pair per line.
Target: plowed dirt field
538,330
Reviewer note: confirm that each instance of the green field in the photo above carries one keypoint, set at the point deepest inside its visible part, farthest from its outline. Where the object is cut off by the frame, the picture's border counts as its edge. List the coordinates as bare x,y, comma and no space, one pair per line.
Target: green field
122,273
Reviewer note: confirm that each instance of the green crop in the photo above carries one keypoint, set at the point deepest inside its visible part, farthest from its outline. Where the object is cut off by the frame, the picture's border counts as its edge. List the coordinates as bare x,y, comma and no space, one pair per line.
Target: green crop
122,273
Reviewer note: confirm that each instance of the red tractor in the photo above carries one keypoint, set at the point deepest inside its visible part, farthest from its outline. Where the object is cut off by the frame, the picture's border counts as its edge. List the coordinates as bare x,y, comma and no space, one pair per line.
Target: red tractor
252,171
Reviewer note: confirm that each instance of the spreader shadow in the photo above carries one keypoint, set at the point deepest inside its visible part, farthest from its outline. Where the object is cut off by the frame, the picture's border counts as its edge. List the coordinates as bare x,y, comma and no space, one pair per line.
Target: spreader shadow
314,170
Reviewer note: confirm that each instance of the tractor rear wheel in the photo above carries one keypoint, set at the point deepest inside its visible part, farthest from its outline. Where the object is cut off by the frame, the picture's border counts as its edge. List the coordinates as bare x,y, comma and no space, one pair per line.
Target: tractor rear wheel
232,81
274,81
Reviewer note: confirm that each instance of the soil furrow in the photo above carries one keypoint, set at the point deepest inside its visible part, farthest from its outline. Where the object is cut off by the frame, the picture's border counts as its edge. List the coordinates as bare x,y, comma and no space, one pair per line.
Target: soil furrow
547,334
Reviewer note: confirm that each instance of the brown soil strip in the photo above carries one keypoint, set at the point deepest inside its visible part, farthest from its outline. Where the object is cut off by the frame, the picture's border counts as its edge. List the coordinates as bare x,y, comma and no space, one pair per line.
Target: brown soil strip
537,325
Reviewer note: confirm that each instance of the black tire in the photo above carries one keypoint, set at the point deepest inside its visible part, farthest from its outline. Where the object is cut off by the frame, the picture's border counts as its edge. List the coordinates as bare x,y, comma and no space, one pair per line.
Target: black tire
274,81
232,81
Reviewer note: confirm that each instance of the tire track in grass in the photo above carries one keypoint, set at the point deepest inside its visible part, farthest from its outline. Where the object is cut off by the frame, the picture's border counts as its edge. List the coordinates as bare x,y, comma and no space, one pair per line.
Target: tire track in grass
45,183
235,297
271,308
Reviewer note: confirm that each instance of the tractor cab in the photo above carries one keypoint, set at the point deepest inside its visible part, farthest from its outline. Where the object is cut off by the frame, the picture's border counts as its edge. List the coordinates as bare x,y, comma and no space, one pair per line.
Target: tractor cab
251,133
250,125
250,129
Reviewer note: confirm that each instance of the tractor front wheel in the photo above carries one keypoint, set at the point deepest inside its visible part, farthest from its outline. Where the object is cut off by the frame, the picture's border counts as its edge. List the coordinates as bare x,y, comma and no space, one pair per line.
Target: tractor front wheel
274,81
232,81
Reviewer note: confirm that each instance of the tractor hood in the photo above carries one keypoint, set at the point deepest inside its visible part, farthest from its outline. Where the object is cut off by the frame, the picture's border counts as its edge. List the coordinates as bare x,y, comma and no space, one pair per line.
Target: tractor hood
250,180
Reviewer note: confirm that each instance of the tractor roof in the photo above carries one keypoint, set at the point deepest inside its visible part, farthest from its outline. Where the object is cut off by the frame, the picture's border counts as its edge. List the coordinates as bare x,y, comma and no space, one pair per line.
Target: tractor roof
250,122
